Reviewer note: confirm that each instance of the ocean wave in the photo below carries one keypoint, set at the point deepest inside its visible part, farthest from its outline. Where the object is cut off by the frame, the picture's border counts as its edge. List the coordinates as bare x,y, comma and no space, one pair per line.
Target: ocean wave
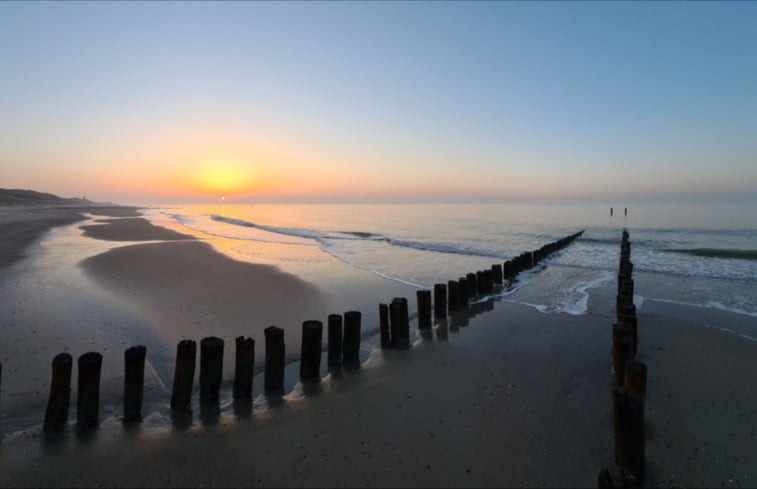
718,253
323,237
708,305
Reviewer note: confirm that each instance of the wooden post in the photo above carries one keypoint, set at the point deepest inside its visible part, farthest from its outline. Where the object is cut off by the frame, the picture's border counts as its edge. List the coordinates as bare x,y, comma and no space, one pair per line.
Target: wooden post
183,377
335,340
351,346
310,352
395,315
404,338
56,415
463,292
440,301
622,339
88,390
453,295
481,282
134,382
507,270
424,308
635,379
273,379
244,368
489,276
471,278
497,271
386,337
211,369
628,417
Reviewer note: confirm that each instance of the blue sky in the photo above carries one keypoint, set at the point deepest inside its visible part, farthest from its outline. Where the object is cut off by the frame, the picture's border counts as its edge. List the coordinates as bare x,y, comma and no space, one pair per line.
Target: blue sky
394,101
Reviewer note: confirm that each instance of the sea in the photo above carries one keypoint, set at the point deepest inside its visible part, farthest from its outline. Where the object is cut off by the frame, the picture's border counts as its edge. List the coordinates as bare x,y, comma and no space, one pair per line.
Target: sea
700,256
694,254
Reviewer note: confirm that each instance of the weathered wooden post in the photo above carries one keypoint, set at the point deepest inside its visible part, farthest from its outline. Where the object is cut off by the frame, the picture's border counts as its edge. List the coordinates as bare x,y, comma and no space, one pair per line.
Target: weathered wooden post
56,415
404,338
386,337
481,282
211,369
628,417
489,276
453,295
635,379
622,348
497,271
471,278
351,346
88,390
310,352
244,368
395,315
424,308
335,339
134,382
273,379
463,292
183,377
440,301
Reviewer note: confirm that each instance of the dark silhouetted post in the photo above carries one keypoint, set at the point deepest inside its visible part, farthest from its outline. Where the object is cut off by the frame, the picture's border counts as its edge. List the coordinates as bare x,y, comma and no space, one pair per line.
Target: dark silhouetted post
463,292
481,282
244,368
497,271
472,287
424,308
310,352
351,346
489,276
635,379
56,415
88,390
211,369
395,315
440,301
453,295
134,382
274,359
622,347
386,337
404,339
628,416
184,374
335,340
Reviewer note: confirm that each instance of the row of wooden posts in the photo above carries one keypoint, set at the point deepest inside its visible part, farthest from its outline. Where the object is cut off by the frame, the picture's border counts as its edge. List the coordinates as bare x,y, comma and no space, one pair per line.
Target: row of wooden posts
629,387
344,333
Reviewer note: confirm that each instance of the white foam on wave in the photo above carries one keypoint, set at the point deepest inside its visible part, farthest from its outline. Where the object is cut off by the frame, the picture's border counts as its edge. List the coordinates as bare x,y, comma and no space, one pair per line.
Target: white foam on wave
573,300
708,305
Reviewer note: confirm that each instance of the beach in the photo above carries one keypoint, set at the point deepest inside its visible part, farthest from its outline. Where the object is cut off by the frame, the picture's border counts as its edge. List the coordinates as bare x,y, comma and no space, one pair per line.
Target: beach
502,395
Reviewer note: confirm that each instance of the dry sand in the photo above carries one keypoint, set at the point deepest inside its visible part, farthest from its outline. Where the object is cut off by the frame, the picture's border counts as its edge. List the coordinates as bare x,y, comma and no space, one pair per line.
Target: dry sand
130,229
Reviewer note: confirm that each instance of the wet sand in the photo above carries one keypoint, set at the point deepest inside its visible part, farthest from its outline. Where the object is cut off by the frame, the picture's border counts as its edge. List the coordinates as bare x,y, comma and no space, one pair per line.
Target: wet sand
511,397
516,398
21,227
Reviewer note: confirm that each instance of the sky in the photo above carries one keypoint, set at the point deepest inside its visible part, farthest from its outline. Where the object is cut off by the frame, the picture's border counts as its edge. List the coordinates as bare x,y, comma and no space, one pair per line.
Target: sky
148,102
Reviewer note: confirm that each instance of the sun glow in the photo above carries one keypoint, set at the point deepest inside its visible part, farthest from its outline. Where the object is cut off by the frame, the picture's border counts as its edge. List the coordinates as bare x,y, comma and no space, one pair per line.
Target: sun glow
222,178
